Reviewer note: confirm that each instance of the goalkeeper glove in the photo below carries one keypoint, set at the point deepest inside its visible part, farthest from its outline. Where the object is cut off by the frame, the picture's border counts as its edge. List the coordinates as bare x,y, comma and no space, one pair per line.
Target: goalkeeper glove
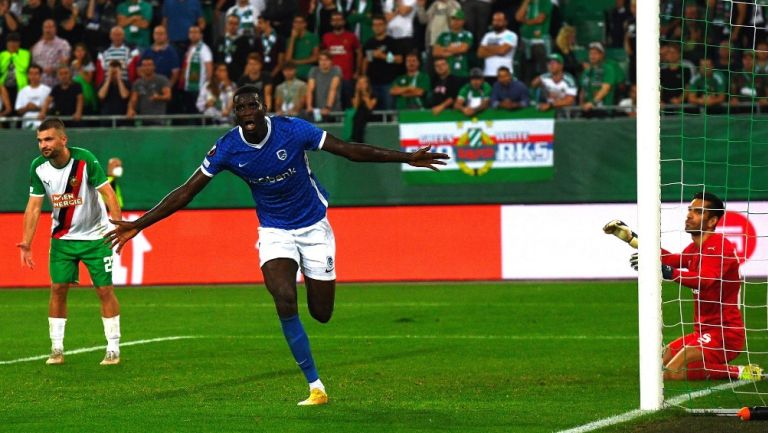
621,231
666,272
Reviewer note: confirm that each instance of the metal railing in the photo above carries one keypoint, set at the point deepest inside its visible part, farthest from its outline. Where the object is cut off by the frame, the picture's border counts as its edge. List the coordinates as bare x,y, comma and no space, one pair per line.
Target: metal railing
378,117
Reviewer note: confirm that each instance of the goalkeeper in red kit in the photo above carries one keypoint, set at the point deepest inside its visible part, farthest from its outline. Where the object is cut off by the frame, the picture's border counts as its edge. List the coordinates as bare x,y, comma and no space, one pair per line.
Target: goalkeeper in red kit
709,266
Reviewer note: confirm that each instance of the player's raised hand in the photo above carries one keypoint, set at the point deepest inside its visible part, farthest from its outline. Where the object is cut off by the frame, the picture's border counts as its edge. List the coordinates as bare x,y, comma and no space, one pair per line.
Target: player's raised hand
26,255
424,158
622,231
122,233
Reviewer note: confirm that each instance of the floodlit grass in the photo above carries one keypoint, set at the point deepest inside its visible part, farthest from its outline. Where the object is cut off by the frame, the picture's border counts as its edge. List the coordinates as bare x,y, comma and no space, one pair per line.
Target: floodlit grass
469,357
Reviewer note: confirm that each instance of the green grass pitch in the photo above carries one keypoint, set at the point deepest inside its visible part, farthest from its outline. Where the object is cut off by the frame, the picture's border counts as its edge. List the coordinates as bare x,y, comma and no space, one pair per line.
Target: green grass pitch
465,357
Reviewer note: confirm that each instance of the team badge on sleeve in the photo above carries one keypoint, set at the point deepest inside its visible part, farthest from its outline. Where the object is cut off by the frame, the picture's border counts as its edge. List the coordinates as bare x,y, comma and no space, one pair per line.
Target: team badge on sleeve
212,151
282,154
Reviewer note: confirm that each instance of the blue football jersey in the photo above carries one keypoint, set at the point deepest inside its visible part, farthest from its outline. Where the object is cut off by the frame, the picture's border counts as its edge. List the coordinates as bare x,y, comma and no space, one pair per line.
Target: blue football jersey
285,191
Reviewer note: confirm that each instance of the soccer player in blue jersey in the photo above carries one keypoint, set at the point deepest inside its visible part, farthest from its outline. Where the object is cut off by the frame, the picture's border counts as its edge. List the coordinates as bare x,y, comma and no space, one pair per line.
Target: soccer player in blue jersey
268,153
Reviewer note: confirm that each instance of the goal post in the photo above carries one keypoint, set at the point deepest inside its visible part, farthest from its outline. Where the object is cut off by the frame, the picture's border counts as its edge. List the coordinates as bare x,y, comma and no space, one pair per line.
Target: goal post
648,204
711,135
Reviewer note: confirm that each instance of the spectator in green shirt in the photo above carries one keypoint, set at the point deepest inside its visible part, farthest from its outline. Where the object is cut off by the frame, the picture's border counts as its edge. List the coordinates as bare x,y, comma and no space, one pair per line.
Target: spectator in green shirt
534,17
411,90
135,16
454,45
598,81
303,47
475,96
708,88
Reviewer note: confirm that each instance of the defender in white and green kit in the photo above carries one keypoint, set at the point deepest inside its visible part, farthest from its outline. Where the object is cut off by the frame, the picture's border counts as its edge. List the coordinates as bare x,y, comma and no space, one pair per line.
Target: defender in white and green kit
77,187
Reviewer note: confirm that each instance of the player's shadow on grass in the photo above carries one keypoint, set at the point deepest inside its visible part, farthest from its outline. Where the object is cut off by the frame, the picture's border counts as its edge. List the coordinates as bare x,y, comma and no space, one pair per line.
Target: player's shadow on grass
238,381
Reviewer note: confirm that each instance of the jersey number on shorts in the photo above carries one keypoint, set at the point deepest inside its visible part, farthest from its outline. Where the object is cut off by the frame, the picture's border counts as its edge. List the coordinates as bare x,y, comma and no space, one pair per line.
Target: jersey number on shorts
704,339
108,264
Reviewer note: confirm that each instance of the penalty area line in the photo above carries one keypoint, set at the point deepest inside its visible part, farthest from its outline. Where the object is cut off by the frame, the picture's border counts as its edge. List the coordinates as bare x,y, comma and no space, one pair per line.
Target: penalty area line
637,413
102,347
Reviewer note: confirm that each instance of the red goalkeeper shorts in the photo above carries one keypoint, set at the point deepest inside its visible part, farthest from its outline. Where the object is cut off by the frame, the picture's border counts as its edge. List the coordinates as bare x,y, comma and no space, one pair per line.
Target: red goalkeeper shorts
717,346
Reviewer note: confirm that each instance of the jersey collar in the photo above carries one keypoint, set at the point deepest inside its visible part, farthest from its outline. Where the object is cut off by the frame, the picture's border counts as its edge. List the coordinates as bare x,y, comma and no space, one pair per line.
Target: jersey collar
266,137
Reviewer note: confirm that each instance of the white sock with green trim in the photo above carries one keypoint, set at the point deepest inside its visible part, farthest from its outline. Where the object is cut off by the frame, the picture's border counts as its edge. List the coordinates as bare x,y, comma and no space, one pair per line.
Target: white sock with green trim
112,332
56,332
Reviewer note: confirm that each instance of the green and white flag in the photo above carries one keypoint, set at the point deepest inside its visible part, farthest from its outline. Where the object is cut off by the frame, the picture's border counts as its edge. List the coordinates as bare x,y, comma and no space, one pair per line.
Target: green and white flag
496,146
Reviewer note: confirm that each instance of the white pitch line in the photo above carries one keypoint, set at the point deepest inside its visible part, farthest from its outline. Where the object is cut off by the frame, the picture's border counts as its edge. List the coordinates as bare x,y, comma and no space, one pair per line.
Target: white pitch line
437,337
97,348
637,413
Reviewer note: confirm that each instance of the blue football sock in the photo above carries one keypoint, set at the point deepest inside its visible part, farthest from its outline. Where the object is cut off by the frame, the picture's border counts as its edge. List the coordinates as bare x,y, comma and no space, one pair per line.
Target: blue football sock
299,343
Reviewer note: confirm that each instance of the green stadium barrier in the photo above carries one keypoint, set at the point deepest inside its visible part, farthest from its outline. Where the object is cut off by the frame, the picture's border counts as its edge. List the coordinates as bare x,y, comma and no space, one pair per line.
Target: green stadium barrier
594,163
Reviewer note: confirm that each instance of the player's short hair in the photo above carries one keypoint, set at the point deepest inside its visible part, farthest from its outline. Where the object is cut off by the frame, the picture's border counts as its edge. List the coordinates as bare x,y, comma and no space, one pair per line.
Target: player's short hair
716,206
245,90
51,123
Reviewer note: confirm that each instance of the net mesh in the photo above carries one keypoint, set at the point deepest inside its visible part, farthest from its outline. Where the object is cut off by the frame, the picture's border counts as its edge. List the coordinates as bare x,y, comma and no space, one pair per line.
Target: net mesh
714,138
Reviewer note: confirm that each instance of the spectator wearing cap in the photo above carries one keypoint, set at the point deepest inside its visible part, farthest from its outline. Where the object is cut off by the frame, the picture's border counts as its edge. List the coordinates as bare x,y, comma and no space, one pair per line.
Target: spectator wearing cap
534,17
498,46
556,88
412,89
14,62
598,81
508,93
50,52
445,86
475,96
454,45
437,17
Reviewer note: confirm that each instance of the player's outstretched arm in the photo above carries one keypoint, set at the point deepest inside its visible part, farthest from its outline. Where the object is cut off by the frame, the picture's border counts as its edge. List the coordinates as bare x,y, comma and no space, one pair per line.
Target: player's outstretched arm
360,152
177,199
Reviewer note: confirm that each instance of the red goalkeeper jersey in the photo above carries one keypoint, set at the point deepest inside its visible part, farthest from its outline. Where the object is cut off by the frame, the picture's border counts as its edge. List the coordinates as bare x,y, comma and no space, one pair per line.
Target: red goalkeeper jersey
712,273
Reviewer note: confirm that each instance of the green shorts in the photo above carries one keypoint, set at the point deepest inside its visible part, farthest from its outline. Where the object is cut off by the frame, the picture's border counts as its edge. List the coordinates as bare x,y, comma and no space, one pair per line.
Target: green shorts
67,254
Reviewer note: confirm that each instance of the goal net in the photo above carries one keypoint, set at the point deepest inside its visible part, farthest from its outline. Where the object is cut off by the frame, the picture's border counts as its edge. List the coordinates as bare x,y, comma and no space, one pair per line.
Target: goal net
713,135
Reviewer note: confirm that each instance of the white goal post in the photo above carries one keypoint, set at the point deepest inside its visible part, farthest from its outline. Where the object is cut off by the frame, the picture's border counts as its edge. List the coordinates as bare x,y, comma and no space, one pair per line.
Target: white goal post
648,204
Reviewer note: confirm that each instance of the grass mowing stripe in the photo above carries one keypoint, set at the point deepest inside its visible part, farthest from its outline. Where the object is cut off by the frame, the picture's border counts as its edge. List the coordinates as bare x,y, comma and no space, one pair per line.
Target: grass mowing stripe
97,348
628,416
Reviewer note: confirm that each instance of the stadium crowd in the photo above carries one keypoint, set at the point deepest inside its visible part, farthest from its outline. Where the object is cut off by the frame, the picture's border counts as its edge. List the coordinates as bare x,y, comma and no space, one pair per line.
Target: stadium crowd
311,58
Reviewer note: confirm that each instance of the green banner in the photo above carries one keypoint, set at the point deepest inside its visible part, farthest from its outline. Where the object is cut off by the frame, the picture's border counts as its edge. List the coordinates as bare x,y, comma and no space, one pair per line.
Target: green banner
497,146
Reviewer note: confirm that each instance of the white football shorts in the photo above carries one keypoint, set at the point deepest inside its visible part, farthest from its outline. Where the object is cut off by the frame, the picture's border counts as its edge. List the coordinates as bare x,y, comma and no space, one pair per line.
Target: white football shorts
313,248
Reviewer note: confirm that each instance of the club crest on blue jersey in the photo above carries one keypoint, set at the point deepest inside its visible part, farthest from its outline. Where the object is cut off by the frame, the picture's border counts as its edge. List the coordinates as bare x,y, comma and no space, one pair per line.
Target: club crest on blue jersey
282,154
212,151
